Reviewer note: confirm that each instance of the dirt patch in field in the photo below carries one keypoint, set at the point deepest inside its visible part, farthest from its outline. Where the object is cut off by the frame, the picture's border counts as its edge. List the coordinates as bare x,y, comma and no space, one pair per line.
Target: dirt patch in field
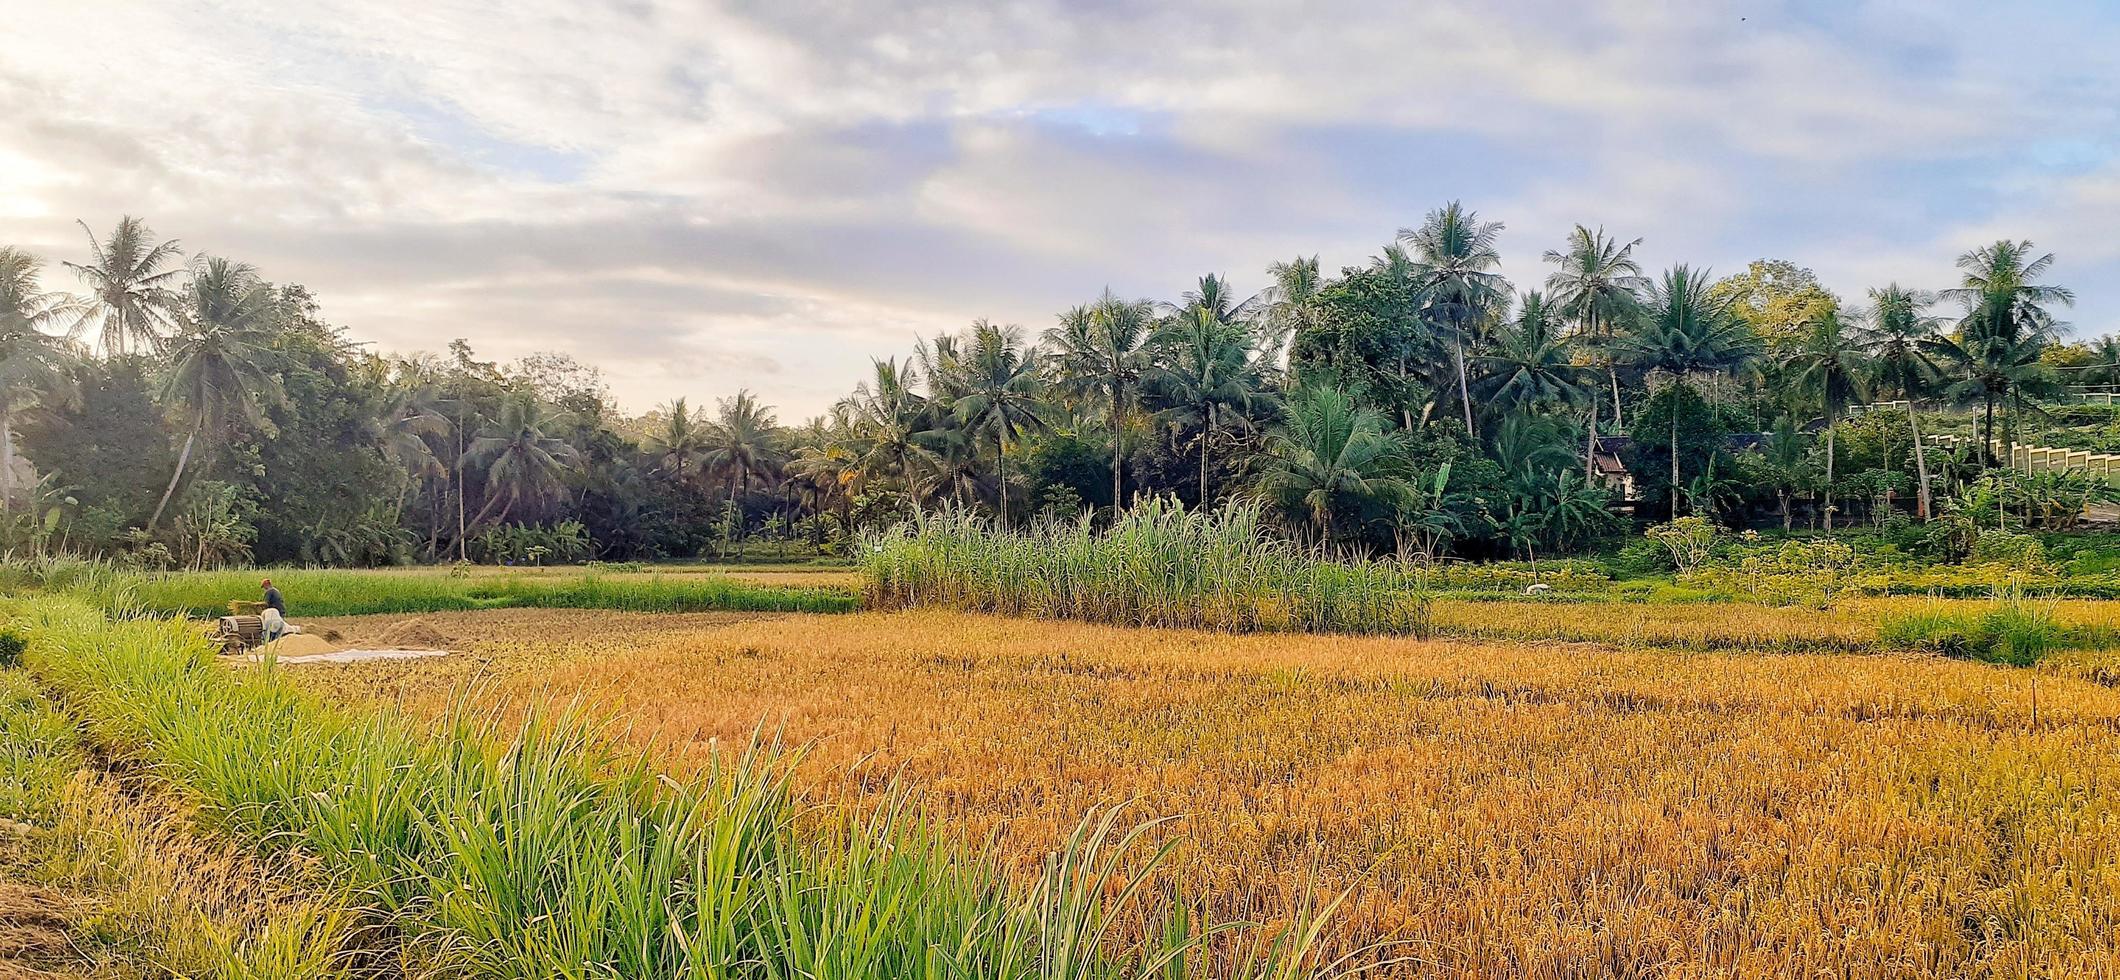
33,932
487,645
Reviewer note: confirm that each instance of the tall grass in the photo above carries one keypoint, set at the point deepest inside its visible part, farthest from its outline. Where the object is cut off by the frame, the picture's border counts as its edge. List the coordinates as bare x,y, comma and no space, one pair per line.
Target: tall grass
1159,565
531,850
2014,629
353,593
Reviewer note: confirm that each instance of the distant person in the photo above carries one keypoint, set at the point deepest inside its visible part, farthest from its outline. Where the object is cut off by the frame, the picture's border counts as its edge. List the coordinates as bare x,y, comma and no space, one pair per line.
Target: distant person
271,625
273,600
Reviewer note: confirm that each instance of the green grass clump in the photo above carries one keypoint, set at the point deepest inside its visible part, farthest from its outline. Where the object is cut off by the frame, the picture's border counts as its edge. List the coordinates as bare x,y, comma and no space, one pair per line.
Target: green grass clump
38,752
1159,565
2016,630
533,850
354,593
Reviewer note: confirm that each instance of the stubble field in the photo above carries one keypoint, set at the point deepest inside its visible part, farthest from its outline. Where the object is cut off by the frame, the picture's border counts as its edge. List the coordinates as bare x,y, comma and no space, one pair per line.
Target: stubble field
1503,803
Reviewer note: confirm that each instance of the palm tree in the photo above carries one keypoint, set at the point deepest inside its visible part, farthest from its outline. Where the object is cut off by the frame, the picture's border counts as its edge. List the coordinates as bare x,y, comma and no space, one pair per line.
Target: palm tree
411,416
889,418
33,363
525,461
2001,295
1599,286
133,295
1332,455
741,441
2006,325
1292,303
1454,261
682,441
827,467
1832,363
1786,464
1899,332
1532,366
1204,373
1001,393
217,370
1684,333
1100,355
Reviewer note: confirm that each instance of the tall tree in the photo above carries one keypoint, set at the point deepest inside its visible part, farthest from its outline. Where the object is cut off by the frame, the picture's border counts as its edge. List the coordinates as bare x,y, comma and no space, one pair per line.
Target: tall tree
134,293
1532,366
1454,262
1332,456
524,461
2005,328
217,371
681,442
1204,374
1001,393
741,442
1833,364
33,361
1291,303
1685,334
1598,285
1899,333
1100,356
889,418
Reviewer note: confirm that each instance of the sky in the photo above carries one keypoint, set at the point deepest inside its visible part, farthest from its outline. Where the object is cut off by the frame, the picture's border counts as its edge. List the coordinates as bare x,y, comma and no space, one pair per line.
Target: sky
699,196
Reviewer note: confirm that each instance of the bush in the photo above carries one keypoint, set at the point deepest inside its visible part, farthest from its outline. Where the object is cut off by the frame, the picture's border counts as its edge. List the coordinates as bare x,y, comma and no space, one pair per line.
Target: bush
1688,540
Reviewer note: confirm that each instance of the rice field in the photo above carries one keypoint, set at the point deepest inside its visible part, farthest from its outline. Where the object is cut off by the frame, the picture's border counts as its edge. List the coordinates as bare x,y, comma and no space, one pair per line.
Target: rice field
346,593
1648,805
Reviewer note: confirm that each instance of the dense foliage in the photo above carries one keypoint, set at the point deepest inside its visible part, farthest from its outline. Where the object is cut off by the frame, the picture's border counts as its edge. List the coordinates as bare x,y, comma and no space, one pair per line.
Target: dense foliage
191,413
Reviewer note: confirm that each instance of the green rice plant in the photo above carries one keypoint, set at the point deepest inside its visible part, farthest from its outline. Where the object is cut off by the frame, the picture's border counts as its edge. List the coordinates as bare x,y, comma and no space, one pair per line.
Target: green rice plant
353,593
37,751
532,849
2017,629
1158,565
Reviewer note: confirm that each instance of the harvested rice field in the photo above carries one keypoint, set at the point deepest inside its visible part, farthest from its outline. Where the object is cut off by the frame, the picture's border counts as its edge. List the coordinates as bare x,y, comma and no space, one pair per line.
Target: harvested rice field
1667,801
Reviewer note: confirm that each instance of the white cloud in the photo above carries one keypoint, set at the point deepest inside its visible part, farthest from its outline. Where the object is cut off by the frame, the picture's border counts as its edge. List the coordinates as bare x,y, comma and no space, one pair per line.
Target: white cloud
700,196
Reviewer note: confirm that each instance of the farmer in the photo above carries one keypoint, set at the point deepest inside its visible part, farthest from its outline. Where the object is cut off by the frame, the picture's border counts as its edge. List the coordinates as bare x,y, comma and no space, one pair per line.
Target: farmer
273,618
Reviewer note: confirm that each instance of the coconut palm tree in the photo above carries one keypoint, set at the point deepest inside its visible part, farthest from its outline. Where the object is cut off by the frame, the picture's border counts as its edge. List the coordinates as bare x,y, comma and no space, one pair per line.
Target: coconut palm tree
1292,303
682,442
1832,363
1332,456
1532,366
33,361
524,460
412,416
889,418
1454,261
1898,333
1599,285
1685,334
741,441
1001,395
134,293
218,368
1205,374
1100,356
2006,325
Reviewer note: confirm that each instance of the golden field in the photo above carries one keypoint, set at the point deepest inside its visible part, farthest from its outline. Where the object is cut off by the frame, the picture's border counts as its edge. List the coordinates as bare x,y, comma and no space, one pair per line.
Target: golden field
1513,806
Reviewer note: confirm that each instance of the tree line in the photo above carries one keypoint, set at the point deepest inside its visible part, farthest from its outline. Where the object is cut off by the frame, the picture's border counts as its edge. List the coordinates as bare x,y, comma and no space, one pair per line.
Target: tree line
183,409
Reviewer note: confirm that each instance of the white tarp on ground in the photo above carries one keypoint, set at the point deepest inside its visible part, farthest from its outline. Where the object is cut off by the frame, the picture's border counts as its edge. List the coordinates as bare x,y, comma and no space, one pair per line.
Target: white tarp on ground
356,656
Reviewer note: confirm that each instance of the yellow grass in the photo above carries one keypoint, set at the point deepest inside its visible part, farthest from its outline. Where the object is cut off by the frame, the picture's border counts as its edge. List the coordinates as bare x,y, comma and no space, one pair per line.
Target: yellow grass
1509,808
